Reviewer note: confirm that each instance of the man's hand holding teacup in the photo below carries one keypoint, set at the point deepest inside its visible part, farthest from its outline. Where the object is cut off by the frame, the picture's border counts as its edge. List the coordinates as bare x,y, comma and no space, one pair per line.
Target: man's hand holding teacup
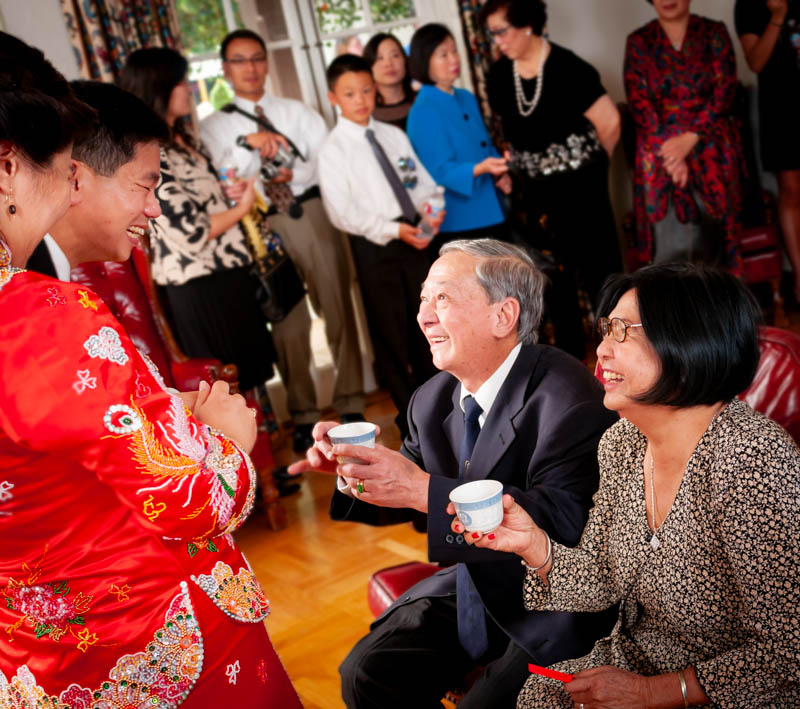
320,457
387,478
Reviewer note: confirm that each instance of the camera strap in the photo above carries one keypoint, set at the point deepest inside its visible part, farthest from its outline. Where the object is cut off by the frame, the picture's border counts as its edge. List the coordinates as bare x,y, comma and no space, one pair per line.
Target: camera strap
264,123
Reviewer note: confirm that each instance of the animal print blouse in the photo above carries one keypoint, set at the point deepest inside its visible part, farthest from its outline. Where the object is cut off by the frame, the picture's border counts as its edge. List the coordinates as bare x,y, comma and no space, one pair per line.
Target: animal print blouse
188,194
720,592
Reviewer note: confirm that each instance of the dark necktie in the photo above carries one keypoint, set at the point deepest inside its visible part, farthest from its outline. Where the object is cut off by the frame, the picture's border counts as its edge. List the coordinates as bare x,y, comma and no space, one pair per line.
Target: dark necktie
279,195
400,192
471,616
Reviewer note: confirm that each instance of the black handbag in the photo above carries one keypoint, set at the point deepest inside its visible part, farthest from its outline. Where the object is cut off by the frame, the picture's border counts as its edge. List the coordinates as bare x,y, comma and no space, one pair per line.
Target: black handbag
278,284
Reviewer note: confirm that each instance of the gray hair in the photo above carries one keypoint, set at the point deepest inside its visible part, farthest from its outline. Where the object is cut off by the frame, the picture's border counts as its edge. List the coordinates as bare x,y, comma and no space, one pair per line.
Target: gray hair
507,271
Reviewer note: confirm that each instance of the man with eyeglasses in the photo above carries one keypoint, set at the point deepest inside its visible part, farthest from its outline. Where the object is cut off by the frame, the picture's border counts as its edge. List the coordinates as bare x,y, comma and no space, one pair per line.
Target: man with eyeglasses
279,139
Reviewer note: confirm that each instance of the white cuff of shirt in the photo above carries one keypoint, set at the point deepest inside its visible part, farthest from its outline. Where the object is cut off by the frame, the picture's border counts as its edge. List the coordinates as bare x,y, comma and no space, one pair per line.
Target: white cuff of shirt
343,487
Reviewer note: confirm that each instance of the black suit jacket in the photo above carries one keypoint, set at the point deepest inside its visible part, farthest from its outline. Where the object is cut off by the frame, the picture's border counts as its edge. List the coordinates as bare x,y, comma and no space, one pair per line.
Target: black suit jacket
540,440
40,261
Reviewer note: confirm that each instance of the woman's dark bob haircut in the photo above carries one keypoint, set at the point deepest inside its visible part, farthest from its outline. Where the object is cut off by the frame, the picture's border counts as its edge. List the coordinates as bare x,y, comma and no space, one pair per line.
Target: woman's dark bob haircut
152,74
703,325
519,13
39,113
423,44
371,56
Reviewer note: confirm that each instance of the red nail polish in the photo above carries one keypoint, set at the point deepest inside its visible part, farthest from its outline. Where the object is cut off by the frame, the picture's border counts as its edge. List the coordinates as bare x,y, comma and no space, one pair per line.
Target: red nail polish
491,536
475,535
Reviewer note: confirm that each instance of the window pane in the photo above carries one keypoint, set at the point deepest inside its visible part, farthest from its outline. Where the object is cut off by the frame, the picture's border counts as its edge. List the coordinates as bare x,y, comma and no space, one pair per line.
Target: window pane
283,74
354,44
338,15
390,10
202,24
274,22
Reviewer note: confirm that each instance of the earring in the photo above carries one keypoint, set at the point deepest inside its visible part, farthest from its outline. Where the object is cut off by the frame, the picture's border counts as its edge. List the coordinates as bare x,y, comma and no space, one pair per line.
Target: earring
12,208
528,32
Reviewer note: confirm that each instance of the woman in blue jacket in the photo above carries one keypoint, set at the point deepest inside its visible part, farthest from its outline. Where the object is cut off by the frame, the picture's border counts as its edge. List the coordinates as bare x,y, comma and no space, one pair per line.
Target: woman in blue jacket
448,134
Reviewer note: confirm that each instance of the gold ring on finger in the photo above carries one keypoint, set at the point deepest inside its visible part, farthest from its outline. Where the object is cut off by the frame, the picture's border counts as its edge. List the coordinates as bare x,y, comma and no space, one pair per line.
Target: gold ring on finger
360,487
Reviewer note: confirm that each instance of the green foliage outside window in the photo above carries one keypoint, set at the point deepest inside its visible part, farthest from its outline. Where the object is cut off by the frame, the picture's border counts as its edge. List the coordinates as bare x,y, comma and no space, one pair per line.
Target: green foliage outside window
390,10
202,24
337,15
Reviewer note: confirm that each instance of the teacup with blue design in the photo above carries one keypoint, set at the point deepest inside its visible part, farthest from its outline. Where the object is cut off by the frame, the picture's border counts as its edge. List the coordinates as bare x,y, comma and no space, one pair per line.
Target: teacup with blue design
479,505
358,433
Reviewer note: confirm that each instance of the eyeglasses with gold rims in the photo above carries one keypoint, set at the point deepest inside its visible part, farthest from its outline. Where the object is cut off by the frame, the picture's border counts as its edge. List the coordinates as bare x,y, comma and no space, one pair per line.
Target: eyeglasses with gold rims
616,327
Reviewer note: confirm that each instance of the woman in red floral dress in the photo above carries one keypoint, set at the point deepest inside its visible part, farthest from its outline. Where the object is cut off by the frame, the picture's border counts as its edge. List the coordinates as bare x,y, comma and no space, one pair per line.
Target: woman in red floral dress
680,78
120,585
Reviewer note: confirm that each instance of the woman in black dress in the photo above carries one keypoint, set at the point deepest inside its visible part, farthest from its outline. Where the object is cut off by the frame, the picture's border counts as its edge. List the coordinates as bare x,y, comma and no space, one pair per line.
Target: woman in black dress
770,34
561,127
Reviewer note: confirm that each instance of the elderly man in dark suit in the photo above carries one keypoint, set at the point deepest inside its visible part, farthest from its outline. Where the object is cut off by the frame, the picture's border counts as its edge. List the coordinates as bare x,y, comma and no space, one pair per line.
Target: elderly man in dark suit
503,408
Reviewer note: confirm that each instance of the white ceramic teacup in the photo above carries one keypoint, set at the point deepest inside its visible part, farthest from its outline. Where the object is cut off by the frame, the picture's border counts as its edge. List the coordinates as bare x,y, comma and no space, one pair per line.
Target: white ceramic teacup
479,505
358,433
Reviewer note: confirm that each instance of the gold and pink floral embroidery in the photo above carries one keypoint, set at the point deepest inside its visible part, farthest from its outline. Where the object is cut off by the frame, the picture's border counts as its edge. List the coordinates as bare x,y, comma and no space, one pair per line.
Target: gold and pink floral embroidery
121,592
85,381
55,298
239,596
162,675
48,608
86,301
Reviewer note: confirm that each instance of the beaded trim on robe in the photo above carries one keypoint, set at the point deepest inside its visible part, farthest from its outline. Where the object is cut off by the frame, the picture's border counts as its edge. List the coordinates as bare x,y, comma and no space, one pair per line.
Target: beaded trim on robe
238,596
576,152
161,676
6,269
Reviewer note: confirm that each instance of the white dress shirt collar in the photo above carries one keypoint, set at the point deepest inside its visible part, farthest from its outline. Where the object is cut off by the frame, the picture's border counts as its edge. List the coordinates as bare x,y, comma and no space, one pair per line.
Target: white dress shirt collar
488,391
353,128
250,106
59,258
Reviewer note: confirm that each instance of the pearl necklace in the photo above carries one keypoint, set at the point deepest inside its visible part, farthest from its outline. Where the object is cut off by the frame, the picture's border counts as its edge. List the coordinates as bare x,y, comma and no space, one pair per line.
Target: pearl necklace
524,106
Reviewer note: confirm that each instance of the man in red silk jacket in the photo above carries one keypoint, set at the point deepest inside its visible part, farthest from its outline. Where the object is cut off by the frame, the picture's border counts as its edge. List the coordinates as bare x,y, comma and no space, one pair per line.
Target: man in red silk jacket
120,582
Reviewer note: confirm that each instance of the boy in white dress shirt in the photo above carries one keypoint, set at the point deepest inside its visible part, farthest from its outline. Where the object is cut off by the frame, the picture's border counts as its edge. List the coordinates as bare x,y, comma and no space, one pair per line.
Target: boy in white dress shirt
373,187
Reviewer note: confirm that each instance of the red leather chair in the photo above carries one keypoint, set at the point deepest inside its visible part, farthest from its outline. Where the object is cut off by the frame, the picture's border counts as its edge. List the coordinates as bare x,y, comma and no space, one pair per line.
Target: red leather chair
775,391
387,585
128,292
761,259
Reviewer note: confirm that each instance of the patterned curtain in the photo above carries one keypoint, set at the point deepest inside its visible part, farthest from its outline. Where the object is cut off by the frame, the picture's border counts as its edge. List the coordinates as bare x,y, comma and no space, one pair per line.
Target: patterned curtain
483,54
104,32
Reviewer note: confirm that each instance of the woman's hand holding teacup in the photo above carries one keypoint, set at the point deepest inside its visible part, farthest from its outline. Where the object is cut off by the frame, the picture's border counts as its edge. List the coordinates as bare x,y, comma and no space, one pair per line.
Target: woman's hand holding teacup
517,533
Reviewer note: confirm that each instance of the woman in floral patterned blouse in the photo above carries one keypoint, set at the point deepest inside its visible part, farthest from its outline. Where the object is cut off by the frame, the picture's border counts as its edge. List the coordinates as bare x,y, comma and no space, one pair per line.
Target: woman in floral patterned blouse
680,78
695,524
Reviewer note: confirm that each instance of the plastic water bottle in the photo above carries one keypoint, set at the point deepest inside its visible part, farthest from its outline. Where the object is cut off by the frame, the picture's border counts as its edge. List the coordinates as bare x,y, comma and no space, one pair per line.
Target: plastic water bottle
431,210
226,172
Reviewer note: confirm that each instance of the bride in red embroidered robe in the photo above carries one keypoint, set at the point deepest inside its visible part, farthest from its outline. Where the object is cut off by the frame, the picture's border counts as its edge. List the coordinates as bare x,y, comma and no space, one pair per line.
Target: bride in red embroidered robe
120,585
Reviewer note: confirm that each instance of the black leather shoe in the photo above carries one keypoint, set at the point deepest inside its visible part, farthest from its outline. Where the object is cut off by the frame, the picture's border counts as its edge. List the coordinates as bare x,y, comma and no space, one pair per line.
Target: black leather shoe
286,489
352,417
302,439
282,475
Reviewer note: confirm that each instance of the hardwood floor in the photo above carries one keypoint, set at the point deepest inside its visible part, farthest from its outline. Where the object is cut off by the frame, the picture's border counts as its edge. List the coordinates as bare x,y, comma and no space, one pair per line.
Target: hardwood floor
315,573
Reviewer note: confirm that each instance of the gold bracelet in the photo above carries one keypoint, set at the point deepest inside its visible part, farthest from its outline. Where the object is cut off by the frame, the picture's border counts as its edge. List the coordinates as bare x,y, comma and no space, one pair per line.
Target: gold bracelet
685,694
776,24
